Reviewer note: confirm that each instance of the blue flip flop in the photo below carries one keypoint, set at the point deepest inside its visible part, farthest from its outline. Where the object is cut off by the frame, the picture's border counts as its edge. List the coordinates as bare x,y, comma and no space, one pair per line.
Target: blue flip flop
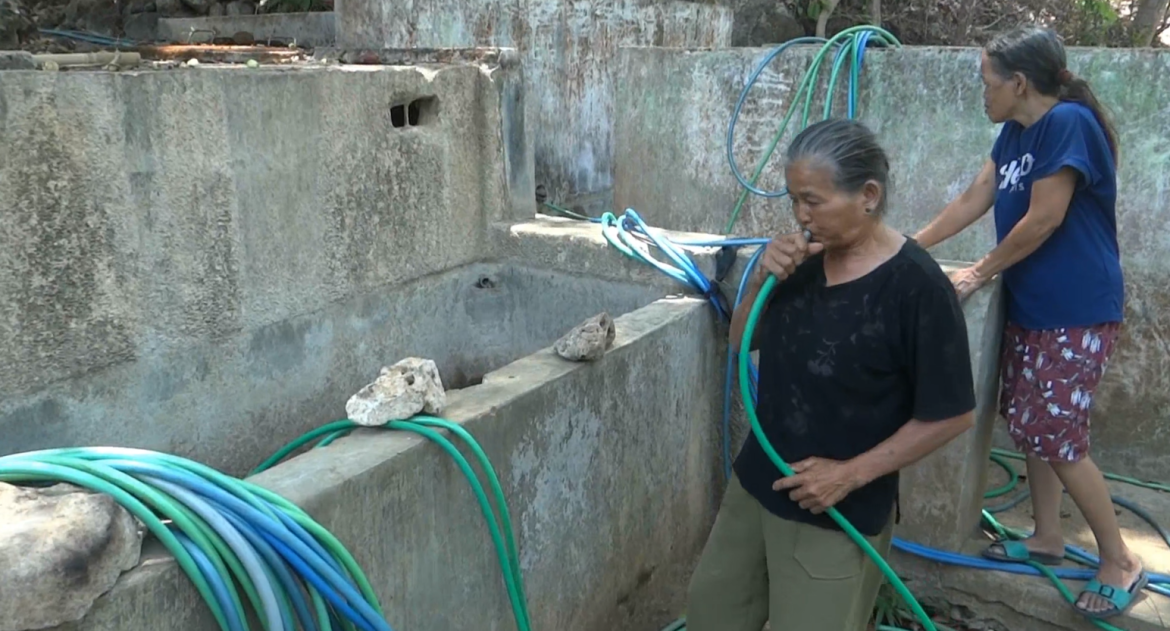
1121,599
1010,551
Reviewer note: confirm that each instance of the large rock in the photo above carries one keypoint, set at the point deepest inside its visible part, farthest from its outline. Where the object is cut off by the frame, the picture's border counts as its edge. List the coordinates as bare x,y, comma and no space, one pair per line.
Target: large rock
17,60
60,548
587,341
400,391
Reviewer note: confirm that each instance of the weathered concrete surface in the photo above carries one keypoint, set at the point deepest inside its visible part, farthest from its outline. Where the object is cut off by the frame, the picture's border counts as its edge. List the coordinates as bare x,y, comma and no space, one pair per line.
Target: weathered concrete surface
926,105
942,495
1032,603
620,488
231,401
568,51
306,29
186,257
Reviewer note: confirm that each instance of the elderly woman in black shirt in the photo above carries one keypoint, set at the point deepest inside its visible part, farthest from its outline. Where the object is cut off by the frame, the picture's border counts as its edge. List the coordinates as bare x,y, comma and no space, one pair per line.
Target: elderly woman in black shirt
864,369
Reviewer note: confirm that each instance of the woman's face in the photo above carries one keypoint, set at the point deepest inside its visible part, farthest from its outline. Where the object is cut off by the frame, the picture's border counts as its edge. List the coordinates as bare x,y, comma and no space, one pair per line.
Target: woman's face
999,94
834,217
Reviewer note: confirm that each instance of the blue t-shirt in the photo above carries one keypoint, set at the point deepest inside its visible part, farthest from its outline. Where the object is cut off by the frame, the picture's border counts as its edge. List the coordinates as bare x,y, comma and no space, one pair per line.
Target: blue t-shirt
1074,278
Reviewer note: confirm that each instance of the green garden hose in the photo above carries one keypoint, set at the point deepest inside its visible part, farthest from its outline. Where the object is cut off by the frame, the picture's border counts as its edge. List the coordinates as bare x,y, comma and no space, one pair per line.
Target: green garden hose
223,532
851,43
502,534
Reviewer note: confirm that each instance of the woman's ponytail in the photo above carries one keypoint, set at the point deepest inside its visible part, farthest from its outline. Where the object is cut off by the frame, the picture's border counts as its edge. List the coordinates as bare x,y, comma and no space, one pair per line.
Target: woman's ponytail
1074,88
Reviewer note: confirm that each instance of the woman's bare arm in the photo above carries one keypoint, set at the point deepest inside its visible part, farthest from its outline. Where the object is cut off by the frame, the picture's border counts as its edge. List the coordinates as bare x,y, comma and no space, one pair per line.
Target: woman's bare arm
913,442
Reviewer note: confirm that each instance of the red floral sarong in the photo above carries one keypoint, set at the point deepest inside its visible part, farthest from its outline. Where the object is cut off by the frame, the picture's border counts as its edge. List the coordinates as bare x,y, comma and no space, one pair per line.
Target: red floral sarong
1048,379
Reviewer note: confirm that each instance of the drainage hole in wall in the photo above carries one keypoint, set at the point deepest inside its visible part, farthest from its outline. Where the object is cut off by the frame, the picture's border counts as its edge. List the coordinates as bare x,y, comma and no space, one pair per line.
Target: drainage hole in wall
485,282
458,379
420,111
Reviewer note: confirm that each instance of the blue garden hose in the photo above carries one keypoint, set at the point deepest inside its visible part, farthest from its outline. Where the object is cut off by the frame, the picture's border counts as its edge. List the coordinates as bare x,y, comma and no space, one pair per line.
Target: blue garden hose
226,534
500,529
90,38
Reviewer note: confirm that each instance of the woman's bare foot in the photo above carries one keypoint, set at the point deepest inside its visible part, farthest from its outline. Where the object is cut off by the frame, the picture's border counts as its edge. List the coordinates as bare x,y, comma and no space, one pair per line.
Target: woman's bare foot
1119,574
1046,550
1051,546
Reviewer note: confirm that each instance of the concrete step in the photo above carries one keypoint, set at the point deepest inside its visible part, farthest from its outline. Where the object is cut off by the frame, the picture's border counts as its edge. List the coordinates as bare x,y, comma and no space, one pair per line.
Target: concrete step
1030,603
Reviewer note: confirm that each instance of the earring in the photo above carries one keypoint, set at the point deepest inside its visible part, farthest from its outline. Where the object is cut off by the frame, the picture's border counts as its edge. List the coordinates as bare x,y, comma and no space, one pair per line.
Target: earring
869,211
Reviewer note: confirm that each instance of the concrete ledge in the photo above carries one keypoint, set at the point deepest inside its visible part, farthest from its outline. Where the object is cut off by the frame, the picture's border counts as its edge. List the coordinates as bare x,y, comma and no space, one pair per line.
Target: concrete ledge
1018,603
305,29
578,247
610,470
1011,602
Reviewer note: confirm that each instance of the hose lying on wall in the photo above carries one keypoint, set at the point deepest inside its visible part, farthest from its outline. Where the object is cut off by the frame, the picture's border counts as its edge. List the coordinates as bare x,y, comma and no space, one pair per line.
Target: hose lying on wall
226,534
427,426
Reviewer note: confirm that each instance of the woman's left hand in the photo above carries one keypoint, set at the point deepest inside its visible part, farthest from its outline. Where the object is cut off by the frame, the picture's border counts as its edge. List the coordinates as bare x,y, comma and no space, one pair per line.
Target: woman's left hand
818,483
967,281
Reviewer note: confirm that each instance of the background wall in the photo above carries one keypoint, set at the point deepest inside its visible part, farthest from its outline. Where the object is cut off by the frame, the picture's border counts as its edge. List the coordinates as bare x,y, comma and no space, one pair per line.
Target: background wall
567,49
185,253
926,105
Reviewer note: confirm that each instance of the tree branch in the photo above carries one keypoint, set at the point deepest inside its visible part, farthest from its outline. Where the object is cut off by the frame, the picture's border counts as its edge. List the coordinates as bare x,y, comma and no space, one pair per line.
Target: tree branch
823,17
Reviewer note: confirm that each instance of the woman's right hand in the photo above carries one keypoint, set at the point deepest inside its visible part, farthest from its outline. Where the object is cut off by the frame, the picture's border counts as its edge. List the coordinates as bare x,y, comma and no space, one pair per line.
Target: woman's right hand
784,253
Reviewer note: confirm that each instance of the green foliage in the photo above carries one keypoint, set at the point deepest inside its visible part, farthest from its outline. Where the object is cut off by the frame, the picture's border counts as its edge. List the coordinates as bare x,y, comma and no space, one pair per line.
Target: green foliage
814,9
1103,9
974,22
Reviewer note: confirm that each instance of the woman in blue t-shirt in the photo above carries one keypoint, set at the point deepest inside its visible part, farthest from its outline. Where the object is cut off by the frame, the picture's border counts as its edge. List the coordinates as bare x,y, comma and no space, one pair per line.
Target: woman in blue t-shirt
1052,180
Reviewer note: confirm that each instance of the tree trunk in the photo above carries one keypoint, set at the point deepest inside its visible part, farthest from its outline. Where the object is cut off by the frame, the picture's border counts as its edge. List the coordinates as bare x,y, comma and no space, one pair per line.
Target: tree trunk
826,11
1146,20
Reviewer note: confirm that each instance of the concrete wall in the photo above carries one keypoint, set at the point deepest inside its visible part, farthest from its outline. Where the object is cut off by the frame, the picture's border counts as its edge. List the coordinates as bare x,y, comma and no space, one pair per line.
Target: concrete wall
941,496
568,50
305,29
926,105
620,489
199,255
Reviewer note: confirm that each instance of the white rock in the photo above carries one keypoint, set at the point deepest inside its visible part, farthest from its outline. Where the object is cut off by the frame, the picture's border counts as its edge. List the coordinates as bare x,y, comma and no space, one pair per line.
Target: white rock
400,391
587,341
60,548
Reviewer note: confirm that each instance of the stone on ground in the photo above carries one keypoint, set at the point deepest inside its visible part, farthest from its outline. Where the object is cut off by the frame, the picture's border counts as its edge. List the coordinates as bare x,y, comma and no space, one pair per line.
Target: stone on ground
400,391
587,341
61,548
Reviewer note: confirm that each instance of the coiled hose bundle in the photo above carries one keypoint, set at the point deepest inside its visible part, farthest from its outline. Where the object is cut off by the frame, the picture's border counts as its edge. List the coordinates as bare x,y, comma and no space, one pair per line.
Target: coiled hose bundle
227,535
428,427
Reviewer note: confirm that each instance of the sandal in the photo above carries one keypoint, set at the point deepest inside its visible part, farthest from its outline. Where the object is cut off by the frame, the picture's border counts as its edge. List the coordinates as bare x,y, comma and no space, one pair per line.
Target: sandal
1010,551
1121,599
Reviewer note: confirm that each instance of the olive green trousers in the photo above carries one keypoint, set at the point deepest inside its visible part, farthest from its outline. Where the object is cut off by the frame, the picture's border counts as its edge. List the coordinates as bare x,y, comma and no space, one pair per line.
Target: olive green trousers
758,568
